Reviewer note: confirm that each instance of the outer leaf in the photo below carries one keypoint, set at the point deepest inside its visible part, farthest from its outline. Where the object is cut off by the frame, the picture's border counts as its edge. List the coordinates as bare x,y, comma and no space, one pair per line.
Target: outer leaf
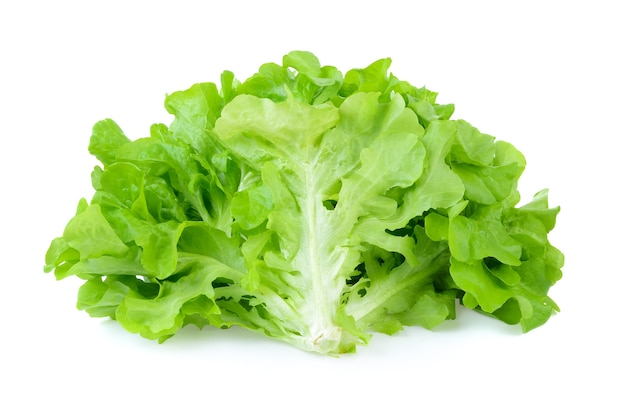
91,235
106,138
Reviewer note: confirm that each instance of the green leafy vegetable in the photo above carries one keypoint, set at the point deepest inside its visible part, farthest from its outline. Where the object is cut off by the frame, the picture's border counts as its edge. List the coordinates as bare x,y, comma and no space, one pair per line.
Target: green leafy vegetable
311,207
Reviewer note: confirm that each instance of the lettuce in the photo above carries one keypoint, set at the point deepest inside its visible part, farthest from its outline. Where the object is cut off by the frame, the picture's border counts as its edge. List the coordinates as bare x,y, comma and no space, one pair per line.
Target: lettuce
309,206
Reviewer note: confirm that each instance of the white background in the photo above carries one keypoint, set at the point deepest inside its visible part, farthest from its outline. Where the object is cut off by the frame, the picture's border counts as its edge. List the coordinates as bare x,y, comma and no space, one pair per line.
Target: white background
547,76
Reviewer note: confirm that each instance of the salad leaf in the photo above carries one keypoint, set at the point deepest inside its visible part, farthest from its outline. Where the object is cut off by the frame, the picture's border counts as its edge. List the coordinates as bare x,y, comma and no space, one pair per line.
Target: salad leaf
309,206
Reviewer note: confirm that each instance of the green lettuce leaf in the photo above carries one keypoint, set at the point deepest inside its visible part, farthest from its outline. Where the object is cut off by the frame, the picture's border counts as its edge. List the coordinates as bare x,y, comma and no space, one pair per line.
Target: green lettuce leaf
308,206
